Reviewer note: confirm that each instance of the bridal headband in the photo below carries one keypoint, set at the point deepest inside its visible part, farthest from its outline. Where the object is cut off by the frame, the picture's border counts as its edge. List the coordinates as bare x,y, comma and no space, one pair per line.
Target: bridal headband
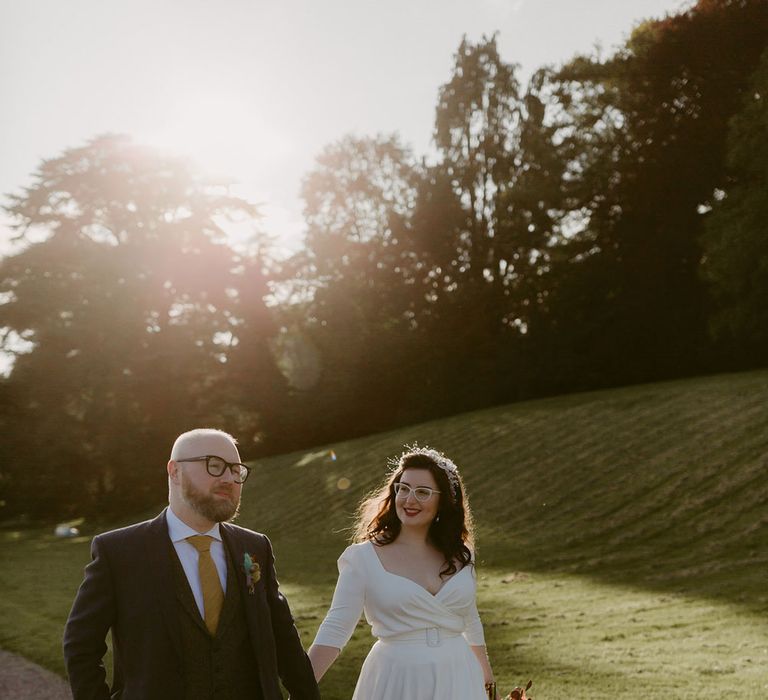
438,458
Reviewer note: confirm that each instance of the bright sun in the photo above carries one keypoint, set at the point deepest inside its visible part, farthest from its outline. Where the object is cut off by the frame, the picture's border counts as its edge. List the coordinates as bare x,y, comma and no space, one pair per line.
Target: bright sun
224,134
230,137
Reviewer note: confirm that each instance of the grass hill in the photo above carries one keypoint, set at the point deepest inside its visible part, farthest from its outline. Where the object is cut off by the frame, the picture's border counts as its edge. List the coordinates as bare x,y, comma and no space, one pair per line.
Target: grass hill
622,534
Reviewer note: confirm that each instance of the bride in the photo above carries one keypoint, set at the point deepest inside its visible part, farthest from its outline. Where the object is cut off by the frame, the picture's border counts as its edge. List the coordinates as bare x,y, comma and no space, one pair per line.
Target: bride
411,572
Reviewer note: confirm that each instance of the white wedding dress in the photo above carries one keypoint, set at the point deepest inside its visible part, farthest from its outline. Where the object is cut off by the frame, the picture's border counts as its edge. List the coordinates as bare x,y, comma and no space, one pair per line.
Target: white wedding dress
422,652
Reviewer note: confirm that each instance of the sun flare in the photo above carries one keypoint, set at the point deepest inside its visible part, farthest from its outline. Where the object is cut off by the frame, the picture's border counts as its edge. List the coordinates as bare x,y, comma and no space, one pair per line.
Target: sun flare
225,135
228,136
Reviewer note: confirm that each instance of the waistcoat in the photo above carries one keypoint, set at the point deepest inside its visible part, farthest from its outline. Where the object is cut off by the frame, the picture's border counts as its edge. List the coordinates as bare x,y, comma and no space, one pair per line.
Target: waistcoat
221,667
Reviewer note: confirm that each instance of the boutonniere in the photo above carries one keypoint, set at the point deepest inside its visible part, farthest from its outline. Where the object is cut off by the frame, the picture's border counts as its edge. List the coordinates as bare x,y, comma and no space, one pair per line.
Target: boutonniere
252,573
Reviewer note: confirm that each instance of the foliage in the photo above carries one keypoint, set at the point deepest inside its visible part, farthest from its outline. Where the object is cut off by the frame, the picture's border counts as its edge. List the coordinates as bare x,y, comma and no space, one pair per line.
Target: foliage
128,299
502,152
650,124
736,241
360,283
583,230
419,275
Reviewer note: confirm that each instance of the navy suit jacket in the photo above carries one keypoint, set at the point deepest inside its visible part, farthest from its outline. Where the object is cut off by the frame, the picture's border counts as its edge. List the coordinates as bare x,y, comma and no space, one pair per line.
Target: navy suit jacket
129,588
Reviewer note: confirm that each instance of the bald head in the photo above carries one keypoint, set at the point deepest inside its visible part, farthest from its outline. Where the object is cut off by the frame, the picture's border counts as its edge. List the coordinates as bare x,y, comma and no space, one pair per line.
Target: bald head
195,495
205,441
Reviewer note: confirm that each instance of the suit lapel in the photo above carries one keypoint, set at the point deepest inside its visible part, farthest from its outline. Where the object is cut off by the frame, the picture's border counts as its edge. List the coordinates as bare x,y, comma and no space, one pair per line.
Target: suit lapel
236,549
159,546
256,612
236,552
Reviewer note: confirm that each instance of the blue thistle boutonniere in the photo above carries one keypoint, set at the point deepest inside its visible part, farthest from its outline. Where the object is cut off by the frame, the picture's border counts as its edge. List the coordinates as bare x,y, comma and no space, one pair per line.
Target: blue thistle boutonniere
252,572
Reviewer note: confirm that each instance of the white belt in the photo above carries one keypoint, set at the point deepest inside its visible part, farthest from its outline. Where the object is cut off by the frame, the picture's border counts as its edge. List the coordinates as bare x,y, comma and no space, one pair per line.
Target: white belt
431,636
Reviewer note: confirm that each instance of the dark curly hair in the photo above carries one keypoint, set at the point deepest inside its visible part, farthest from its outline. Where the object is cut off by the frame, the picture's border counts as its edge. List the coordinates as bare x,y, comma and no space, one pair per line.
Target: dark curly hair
452,534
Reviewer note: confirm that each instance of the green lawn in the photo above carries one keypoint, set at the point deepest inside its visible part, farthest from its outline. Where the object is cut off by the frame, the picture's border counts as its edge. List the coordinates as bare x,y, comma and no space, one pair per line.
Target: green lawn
623,540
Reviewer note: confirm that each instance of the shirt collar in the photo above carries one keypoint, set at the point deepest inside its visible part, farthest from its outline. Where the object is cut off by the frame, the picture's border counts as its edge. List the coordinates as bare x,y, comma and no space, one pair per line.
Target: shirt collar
178,530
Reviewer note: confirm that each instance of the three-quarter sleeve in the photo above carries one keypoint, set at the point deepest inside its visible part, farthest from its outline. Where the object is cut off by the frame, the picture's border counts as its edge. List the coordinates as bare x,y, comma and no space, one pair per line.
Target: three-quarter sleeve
347,604
473,627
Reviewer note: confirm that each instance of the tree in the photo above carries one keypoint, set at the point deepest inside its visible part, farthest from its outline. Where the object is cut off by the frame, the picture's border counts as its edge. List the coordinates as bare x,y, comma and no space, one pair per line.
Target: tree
476,129
362,284
735,262
501,150
128,292
651,123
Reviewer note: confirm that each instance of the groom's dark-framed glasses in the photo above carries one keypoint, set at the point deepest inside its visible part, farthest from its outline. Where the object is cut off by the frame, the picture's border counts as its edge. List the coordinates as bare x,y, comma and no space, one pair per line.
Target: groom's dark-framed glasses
215,466
421,493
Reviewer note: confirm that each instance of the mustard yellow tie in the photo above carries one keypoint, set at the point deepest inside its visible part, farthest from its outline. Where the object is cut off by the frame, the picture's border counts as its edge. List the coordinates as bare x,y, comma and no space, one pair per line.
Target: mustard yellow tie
213,595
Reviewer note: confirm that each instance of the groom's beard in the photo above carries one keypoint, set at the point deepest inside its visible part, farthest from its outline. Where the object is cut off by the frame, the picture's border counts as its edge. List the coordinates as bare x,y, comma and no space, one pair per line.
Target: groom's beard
217,510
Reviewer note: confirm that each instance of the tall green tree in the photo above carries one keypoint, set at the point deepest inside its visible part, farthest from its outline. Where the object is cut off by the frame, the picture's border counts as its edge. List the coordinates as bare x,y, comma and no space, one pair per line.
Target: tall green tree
126,289
735,262
500,152
476,130
651,122
361,283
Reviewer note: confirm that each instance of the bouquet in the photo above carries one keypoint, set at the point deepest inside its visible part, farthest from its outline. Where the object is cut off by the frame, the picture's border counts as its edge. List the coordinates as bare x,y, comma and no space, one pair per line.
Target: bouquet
519,693
516,694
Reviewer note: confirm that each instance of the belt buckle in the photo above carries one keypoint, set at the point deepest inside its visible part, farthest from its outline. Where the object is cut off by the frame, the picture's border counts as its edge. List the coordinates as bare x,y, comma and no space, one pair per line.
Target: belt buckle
433,637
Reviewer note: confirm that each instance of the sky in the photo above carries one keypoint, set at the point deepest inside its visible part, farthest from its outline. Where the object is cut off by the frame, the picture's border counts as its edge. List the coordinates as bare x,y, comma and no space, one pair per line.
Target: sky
254,89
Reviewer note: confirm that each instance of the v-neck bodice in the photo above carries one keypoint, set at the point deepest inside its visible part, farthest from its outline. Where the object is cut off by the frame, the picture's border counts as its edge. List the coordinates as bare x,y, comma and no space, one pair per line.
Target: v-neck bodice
394,605
415,583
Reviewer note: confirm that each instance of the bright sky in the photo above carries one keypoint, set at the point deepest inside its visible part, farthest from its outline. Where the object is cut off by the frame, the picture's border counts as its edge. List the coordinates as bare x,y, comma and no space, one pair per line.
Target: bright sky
255,88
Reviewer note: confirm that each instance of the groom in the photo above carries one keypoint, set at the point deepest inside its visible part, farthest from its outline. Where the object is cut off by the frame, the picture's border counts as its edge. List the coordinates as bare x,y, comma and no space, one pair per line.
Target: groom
192,601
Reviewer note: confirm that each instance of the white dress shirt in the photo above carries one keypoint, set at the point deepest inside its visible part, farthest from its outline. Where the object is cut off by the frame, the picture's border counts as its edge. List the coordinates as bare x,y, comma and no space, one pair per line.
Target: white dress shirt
178,531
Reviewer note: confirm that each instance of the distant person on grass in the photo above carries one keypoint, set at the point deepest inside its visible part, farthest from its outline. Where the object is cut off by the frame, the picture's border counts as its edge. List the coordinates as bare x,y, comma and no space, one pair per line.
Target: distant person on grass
411,571
192,601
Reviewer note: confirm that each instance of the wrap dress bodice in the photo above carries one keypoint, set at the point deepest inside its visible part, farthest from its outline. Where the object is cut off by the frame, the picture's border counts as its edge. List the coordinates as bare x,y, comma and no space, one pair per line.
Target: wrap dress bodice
423,649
